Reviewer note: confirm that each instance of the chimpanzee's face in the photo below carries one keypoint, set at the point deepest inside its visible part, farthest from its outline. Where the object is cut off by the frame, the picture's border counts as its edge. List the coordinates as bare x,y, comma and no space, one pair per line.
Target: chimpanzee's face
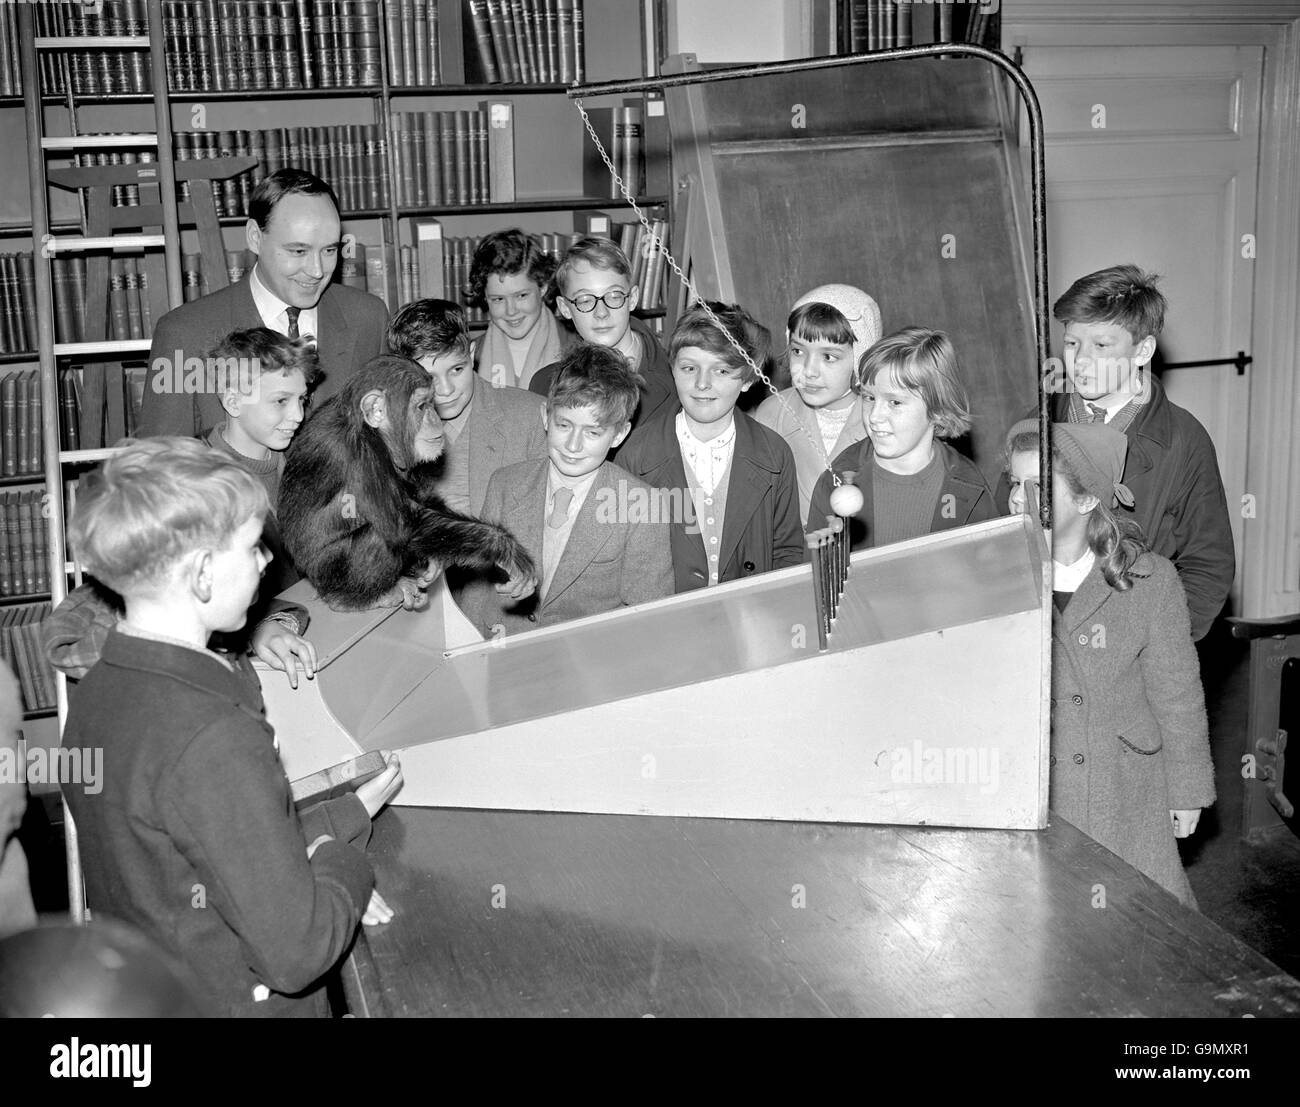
424,428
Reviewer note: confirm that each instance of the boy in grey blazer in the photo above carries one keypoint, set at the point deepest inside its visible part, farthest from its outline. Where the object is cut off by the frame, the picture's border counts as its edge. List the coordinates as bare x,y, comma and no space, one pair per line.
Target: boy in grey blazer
599,535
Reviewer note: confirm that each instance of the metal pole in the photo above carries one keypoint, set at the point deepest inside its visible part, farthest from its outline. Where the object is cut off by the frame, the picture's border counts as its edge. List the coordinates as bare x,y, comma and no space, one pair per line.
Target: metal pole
52,504
162,114
1038,176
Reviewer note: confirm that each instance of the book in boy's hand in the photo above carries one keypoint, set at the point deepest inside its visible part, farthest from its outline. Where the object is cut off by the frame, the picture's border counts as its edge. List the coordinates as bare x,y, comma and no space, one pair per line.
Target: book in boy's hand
337,780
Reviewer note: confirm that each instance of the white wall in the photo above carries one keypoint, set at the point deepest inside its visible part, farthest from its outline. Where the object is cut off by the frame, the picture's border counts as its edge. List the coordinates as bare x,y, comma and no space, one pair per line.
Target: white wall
735,31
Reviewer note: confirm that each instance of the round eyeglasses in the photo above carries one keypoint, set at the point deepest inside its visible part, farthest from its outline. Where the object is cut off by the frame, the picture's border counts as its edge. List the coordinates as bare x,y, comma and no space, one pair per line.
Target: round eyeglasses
614,299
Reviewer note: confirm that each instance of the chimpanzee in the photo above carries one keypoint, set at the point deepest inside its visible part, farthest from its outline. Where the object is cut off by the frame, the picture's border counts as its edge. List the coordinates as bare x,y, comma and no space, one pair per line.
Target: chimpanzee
357,509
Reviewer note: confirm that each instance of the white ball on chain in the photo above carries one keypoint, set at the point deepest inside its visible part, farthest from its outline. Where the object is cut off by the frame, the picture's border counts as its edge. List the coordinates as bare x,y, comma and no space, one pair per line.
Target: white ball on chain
847,500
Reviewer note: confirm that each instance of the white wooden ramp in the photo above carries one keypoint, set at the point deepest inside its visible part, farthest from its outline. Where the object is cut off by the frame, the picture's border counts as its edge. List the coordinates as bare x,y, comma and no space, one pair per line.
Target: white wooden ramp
929,707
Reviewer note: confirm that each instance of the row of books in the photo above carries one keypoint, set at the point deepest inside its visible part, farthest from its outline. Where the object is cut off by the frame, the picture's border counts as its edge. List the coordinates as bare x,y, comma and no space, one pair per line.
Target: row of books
209,45
455,157
438,265
529,41
24,544
884,24
20,647
18,301
248,45
20,423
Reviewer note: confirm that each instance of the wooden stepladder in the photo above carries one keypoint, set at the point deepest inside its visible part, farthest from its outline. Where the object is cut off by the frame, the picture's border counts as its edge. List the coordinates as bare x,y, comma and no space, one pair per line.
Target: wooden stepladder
103,415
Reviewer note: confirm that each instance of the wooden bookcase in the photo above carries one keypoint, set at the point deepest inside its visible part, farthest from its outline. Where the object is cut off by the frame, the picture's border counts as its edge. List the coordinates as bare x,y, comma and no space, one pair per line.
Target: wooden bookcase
552,193
550,143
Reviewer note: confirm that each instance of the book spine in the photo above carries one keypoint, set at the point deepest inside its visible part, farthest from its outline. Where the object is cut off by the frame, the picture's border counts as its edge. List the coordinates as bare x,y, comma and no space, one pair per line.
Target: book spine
119,327
372,169
500,45
551,27
285,17
420,40
27,297
9,339
478,181
405,266
6,567
322,43
9,412
564,36
348,56
352,269
432,123
192,277
24,420
944,13
435,44
579,41
429,257
393,30
519,41
416,158
483,40
134,317
77,288
345,183
27,542
447,151
461,132
378,264
903,23
531,28
627,140
306,43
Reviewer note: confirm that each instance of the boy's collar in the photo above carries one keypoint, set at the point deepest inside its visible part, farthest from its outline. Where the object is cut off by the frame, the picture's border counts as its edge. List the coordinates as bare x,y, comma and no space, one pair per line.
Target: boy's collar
133,631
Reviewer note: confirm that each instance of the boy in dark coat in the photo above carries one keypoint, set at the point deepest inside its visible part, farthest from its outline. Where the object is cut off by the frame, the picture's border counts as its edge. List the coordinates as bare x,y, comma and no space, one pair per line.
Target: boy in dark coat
191,835
1112,320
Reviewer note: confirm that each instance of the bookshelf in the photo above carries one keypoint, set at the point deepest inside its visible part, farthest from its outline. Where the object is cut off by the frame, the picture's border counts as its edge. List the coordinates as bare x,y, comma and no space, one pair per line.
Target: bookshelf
539,180
546,150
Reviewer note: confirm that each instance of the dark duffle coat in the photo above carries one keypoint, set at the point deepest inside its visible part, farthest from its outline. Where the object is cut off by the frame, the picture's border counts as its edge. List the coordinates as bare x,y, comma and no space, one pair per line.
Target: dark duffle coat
1130,740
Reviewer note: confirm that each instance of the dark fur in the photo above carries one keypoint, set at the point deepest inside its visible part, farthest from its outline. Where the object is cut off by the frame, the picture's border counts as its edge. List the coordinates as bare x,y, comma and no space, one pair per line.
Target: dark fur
355,550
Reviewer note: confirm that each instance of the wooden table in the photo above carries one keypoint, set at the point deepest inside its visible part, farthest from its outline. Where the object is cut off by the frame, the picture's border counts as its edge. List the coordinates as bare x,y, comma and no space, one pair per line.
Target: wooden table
508,913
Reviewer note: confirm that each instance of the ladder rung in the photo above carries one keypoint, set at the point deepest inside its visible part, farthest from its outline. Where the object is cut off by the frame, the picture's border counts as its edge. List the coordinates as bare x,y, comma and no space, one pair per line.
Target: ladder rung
77,457
81,142
111,242
91,42
117,346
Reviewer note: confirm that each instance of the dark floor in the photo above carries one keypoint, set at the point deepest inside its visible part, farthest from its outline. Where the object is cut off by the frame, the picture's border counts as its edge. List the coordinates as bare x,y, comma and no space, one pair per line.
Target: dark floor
1250,889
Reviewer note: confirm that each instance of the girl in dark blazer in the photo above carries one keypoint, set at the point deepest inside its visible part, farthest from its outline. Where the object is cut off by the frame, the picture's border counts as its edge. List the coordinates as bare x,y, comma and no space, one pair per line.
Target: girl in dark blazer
1130,761
912,482
739,502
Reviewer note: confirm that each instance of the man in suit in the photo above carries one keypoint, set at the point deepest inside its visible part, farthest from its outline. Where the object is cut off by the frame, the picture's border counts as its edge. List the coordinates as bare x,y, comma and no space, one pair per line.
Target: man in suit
598,534
294,230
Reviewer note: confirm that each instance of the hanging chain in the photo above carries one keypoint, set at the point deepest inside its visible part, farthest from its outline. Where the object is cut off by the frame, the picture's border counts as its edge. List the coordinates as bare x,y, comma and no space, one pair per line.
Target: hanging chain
700,302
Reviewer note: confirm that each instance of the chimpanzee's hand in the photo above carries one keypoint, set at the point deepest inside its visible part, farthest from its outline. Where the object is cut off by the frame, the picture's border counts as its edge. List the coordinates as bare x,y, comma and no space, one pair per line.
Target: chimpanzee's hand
522,574
432,572
406,593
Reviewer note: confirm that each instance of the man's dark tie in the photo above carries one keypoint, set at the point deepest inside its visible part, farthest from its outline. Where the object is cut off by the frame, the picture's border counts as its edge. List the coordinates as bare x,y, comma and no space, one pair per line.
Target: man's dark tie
293,313
1096,414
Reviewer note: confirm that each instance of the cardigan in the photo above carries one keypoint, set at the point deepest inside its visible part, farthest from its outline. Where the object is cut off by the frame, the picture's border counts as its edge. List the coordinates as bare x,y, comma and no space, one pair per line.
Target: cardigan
760,531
